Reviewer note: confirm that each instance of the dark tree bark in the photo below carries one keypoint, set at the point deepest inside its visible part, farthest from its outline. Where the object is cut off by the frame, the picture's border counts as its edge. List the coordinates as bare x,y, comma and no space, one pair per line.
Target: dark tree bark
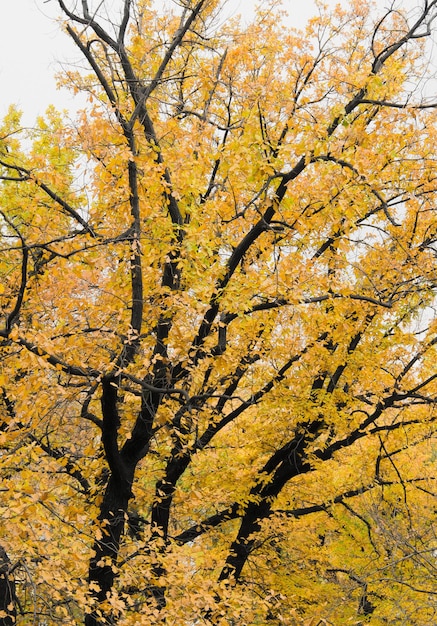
113,510
8,612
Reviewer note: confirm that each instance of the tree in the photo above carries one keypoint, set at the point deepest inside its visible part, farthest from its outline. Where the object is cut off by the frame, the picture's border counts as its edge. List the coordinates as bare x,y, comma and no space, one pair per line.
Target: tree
218,342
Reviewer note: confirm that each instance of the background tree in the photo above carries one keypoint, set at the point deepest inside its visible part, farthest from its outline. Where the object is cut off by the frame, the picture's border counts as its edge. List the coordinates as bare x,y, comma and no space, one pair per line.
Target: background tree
218,343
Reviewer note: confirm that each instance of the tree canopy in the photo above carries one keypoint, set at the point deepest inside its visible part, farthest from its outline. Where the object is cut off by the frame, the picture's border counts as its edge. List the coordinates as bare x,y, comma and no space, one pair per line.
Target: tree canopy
218,334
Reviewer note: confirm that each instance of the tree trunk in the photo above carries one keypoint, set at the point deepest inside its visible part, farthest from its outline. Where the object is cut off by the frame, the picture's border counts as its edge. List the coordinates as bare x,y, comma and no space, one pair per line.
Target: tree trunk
102,570
8,612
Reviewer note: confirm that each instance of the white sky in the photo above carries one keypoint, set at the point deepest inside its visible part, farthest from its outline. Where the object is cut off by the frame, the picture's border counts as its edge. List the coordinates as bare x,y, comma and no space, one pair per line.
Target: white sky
32,47
30,44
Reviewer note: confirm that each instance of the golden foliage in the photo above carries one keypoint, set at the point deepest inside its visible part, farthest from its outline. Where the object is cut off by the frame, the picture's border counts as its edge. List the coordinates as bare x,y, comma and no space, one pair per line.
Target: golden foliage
218,340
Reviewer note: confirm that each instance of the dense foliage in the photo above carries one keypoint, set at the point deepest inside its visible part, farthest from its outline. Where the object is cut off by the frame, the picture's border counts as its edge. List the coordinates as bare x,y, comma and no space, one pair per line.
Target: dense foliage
218,341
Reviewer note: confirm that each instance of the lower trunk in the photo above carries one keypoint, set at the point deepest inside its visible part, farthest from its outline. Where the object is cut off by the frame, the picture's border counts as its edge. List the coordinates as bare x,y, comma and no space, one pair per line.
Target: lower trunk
8,611
102,569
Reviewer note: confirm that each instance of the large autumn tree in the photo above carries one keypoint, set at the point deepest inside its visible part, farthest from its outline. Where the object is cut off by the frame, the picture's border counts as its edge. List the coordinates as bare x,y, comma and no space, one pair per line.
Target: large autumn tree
218,346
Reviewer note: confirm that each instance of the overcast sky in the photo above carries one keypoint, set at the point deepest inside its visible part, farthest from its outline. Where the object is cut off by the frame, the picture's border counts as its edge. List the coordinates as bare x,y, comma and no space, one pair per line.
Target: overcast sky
32,47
